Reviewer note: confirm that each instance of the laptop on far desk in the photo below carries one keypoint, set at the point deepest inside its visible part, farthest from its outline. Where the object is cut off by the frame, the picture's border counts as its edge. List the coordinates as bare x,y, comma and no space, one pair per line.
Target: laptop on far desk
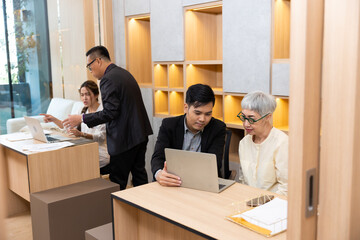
37,132
197,170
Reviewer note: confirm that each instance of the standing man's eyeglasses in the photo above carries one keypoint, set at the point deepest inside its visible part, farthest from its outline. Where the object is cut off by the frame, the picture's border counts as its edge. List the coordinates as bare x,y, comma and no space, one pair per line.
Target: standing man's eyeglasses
88,66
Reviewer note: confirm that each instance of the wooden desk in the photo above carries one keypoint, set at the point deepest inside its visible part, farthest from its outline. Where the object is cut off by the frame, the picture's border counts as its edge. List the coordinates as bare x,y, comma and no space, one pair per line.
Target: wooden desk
154,212
34,172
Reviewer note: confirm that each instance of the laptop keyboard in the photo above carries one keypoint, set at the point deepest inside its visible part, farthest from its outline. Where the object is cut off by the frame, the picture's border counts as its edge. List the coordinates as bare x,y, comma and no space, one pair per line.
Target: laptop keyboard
51,139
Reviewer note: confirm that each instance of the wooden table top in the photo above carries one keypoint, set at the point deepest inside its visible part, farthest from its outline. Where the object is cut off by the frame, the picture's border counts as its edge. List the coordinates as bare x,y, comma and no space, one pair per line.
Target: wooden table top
201,211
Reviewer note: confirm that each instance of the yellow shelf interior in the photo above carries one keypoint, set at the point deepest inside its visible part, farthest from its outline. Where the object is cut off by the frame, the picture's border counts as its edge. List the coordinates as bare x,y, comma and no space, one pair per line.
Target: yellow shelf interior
203,33
232,106
176,76
205,74
282,29
281,114
139,49
160,75
161,102
176,103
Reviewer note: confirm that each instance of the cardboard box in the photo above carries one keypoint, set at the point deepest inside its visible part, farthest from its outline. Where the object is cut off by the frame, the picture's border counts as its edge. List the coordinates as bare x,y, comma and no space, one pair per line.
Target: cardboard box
103,232
67,212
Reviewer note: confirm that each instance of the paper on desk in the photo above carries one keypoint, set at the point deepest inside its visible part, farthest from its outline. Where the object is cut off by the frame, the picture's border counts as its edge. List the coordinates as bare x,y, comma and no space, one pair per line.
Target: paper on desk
46,146
12,137
271,215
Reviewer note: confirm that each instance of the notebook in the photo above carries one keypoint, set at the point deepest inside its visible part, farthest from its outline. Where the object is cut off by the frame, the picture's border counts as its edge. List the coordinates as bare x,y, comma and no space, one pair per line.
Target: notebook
197,170
37,132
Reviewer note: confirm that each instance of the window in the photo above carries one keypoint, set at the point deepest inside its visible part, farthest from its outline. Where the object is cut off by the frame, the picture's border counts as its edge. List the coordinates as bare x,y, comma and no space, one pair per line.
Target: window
25,74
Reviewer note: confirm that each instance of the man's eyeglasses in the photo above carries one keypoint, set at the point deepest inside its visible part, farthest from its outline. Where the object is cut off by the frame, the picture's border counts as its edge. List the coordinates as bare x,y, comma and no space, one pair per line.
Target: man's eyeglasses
250,120
88,66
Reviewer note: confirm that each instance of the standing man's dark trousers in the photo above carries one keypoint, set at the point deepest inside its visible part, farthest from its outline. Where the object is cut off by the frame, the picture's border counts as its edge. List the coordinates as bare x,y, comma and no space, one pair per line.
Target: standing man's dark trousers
133,160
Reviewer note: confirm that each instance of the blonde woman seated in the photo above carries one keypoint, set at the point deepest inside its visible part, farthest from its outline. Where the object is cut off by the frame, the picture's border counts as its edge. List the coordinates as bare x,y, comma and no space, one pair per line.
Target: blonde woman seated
89,93
264,150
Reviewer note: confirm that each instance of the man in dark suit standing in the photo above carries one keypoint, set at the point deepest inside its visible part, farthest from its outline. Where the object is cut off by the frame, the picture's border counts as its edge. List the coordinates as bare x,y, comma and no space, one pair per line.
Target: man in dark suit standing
127,123
195,131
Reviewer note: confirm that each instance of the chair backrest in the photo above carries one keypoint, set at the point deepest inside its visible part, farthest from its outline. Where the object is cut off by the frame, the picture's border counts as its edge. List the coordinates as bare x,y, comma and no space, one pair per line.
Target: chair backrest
227,171
60,108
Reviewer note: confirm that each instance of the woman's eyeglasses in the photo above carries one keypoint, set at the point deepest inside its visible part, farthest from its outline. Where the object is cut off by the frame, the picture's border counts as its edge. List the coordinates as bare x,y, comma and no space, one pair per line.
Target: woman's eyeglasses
242,117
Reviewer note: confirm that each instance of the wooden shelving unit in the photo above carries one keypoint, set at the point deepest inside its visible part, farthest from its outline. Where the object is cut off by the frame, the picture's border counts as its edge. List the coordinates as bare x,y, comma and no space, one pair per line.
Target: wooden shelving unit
232,106
210,74
203,64
176,103
161,103
281,29
281,114
203,32
218,108
176,76
139,49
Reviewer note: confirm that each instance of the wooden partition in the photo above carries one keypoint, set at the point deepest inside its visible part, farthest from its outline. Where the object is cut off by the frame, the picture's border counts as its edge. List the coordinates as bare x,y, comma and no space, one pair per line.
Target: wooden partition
304,122
2,194
340,152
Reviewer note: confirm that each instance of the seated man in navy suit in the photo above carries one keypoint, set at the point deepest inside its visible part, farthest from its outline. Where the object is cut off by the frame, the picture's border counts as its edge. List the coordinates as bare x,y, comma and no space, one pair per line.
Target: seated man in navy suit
196,131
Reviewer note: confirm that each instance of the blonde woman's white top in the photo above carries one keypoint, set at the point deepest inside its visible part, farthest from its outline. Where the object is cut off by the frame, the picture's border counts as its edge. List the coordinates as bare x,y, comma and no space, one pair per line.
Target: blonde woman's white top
265,165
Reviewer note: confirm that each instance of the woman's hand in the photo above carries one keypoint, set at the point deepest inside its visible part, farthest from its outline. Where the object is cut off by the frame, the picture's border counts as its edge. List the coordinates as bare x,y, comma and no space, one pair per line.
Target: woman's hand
75,132
48,117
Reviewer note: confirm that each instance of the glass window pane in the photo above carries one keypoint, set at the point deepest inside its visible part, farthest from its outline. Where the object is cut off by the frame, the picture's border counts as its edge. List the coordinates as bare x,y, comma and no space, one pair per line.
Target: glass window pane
29,54
5,104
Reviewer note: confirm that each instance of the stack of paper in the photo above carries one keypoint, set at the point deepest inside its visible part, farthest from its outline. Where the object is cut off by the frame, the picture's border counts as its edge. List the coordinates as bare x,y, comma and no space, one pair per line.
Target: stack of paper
268,219
46,146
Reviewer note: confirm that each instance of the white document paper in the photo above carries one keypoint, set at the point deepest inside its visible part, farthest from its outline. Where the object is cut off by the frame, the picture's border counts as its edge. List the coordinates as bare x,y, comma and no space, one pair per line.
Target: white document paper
271,215
46,146
18,136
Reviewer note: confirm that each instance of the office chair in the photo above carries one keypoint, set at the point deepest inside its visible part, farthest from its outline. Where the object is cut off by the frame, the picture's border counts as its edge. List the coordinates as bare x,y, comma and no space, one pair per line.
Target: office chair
228,174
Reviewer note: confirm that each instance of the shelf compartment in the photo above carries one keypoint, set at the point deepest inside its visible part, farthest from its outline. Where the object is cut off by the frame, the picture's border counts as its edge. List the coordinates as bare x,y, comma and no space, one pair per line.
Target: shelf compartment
139,49
281,29
232,106
160,76
236,136
176,103
206,74
281,114
203,32
176,76
161,102
218,108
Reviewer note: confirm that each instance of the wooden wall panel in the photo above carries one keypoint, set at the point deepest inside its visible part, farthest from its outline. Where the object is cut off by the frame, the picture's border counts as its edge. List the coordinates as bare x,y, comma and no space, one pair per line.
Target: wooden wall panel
339,211
305,88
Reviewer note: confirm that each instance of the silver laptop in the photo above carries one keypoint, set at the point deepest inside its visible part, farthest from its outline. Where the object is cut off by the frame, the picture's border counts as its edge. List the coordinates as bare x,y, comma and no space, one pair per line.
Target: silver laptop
197,170
37,132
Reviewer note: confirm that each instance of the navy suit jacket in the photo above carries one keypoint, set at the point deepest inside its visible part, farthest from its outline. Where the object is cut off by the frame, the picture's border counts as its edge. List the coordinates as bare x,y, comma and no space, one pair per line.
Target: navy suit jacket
171,135
127,123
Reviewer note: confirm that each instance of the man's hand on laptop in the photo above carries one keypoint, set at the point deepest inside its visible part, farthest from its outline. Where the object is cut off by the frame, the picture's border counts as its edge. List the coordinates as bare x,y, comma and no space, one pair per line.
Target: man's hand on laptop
167,179
72,121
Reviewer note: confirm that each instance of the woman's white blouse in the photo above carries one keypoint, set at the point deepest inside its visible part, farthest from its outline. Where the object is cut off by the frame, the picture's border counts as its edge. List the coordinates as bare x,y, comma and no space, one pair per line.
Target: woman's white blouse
99,135
265,165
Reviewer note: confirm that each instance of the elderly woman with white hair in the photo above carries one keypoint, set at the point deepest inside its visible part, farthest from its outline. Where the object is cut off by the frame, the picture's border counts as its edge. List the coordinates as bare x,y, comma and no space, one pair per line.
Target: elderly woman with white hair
264,150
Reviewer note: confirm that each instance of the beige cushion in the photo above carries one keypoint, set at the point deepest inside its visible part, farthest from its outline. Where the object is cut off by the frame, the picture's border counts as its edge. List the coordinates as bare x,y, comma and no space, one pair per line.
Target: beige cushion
60,108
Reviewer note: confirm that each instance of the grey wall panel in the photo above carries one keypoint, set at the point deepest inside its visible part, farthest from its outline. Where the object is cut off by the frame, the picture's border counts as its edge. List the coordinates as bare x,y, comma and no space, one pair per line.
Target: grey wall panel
167,30
147,95
193,2
119,33
280,79
246,45
135,7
